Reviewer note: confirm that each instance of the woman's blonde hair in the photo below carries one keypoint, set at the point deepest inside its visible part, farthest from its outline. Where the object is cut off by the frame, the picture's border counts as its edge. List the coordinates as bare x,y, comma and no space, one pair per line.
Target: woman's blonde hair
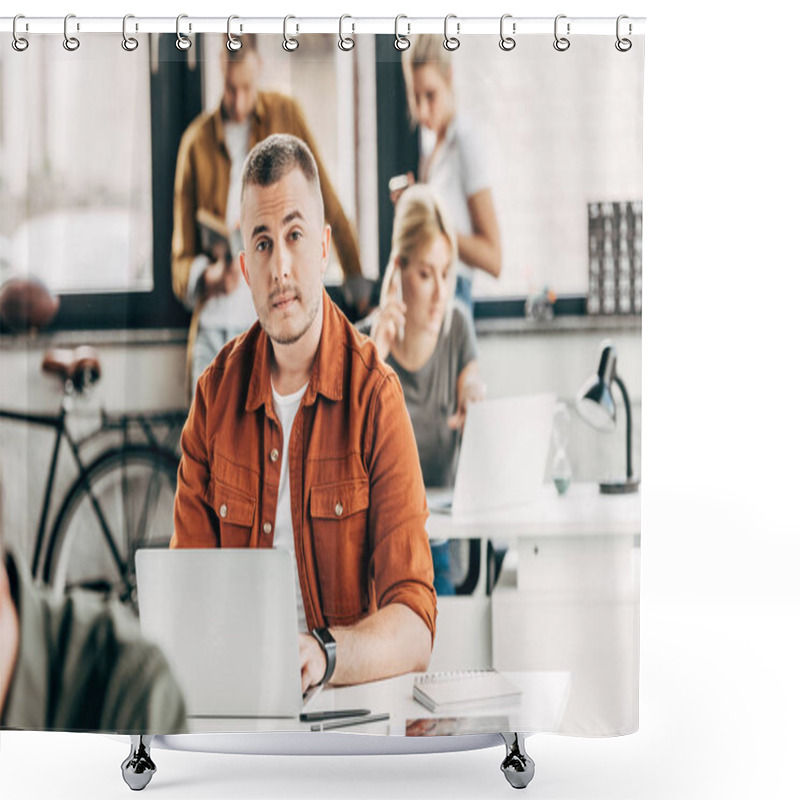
418,220
425,49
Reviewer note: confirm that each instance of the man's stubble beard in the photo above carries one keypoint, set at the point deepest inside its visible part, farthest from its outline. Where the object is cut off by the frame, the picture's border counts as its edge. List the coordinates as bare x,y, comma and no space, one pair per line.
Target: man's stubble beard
291,339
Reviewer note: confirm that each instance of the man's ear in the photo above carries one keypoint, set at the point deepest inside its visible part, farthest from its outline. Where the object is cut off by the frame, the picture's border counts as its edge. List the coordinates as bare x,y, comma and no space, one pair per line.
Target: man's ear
326,247
243,267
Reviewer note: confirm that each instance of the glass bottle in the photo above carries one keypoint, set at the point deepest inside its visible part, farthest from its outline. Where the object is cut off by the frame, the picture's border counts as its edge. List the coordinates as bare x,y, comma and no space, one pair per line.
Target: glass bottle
561,469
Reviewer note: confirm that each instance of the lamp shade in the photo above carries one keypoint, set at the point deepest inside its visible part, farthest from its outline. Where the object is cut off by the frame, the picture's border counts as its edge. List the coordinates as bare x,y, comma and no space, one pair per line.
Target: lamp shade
594,402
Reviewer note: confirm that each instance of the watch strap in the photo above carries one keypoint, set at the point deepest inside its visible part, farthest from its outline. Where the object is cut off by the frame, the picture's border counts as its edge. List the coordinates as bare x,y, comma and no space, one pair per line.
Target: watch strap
328,645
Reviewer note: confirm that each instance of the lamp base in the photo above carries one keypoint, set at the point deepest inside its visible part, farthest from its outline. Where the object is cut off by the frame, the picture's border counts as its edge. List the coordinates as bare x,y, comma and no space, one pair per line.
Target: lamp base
620,487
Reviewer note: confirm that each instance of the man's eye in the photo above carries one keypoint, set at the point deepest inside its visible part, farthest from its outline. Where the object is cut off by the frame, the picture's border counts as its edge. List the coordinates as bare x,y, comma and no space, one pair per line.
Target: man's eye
262,246
295,236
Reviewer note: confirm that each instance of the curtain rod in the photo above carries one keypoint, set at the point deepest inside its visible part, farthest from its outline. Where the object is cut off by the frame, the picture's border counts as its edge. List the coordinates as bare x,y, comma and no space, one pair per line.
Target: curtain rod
457,26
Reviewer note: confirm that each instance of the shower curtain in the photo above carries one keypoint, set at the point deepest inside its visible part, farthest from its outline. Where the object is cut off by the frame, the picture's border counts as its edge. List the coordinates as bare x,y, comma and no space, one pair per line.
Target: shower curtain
121,174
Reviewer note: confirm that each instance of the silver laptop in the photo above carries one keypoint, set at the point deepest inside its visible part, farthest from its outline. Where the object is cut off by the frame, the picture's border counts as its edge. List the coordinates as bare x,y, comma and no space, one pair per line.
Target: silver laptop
227,623
503,456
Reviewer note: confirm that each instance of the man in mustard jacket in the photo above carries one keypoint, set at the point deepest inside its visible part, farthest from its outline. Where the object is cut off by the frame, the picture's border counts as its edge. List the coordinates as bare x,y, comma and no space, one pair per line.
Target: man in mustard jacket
210,159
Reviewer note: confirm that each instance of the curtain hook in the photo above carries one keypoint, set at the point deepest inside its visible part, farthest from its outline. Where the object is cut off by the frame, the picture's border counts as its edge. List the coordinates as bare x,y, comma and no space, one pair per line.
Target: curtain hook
401,42
19,43
71,43
290,43
623,45
129,43
561,43
346,42
234,43
451,42
182,42
507,42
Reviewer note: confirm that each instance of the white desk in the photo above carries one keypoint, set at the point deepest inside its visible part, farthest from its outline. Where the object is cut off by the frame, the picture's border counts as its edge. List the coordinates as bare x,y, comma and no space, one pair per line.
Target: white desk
573,603
582,511
541,708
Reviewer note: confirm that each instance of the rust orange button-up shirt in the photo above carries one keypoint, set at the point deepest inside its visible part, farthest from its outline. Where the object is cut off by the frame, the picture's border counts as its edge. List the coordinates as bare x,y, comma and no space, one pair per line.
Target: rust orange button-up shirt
357,498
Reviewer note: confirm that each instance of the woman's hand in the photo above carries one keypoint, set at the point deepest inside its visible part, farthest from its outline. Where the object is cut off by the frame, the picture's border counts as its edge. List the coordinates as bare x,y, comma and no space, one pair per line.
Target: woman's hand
388,326
471,389
395,195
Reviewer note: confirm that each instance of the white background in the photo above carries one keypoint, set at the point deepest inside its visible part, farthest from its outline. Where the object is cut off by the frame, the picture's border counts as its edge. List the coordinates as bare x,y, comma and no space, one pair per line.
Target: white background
720,696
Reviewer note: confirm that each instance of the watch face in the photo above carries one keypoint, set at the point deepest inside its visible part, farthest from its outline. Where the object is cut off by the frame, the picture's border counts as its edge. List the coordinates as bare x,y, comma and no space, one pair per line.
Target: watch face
324,635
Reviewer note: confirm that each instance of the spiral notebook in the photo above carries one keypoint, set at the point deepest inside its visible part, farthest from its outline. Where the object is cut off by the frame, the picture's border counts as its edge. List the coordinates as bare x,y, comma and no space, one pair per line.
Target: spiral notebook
442,691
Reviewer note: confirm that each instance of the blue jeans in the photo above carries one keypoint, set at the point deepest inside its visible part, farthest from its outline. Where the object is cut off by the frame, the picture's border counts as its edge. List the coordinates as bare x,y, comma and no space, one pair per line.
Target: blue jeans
464,292
440,552
208,343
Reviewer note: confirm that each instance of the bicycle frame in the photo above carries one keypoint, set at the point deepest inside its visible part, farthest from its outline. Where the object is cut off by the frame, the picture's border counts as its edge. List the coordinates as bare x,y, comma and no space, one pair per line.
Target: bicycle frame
107,424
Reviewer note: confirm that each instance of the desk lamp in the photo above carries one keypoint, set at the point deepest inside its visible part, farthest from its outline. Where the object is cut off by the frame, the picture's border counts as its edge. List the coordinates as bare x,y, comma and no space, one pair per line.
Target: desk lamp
595,404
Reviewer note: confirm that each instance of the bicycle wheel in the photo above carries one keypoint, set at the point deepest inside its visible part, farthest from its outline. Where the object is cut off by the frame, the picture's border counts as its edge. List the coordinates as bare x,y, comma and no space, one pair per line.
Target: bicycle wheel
125,502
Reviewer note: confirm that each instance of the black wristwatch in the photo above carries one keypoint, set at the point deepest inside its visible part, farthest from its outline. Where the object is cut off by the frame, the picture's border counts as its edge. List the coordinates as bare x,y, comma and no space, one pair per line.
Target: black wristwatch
328,645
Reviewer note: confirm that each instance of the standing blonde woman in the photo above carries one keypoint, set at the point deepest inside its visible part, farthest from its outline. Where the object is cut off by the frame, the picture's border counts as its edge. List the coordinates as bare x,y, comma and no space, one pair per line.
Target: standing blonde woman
428,338
453,160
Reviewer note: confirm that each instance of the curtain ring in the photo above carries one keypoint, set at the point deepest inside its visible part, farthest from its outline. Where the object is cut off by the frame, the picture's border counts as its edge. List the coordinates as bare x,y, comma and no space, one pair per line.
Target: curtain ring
290,44
451,42
561,43
507,42
234,43
19,43
401,42
346,42
623,45
129,43
182,42
71,43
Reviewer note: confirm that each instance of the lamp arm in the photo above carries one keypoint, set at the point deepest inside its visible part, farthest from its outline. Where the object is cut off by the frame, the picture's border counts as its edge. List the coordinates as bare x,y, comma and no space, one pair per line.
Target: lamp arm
628,424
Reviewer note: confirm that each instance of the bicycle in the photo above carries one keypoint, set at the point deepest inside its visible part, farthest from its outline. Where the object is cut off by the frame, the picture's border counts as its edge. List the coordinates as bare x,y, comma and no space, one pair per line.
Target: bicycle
121,500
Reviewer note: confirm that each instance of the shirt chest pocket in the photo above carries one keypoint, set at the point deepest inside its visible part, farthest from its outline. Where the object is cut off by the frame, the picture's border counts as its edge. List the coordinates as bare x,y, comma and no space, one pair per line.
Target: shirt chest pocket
236,512
339,532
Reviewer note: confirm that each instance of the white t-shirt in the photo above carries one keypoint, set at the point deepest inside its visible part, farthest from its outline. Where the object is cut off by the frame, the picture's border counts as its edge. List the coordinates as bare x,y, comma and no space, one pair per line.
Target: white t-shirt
286,409
232,312
456,171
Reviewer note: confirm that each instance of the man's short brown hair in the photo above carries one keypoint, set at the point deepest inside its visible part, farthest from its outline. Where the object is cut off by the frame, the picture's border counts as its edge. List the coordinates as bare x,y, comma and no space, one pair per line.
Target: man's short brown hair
276,156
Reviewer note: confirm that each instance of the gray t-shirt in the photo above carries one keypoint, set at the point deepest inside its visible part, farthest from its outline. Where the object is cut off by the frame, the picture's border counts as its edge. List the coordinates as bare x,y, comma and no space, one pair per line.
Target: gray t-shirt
431,397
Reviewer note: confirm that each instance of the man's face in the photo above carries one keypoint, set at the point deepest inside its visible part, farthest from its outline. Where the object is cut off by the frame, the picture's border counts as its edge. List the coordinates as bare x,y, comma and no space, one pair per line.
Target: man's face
241,87
287,244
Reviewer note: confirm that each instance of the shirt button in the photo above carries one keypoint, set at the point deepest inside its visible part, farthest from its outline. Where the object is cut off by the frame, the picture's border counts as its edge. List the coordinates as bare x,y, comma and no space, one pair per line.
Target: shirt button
338,509
267,528
274,455
223,511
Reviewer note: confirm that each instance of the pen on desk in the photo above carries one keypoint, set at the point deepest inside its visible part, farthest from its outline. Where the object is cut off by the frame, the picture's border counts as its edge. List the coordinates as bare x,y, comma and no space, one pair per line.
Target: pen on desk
338,713
329,726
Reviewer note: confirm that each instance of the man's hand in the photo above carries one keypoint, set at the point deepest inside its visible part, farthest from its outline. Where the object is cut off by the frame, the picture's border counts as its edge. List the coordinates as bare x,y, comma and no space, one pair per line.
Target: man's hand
221,277
312,661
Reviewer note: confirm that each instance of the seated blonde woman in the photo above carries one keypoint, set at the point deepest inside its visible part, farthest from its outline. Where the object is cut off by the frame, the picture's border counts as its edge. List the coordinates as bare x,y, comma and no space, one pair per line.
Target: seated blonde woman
428,338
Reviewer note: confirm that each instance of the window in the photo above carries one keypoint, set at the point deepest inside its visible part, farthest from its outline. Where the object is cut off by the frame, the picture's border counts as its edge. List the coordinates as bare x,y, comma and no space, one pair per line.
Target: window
75,151
562,131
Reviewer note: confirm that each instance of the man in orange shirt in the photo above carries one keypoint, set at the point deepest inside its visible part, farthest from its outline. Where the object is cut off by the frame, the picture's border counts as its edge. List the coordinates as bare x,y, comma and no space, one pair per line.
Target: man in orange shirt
298,437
